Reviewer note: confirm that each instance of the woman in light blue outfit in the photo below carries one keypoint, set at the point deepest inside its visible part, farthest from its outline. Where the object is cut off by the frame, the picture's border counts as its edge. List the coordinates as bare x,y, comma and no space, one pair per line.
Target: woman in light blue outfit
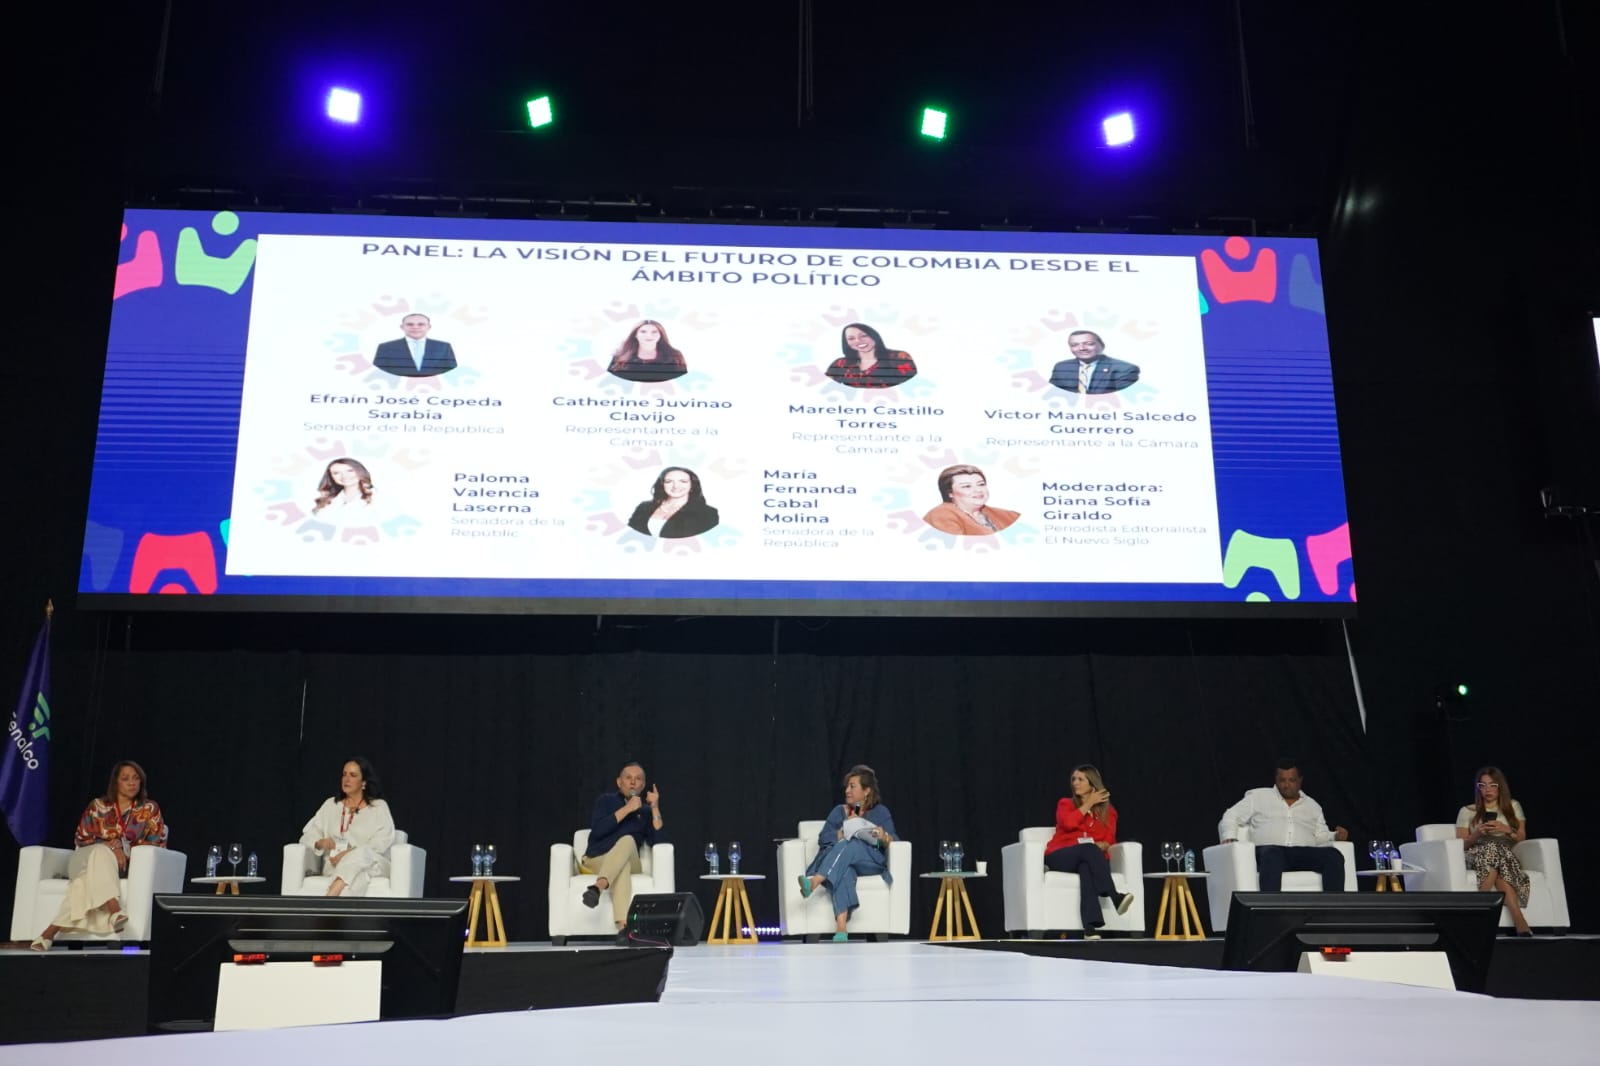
854,842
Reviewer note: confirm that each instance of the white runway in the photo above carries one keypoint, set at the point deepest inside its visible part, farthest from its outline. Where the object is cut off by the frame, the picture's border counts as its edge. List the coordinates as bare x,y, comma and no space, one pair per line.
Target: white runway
910,1002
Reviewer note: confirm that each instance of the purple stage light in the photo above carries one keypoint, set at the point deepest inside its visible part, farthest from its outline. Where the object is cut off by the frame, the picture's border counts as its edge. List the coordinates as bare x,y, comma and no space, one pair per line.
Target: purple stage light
1118,129
344,105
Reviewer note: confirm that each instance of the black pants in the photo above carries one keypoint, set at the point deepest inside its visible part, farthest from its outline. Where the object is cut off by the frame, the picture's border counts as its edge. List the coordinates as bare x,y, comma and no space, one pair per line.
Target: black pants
1094,878
1273,859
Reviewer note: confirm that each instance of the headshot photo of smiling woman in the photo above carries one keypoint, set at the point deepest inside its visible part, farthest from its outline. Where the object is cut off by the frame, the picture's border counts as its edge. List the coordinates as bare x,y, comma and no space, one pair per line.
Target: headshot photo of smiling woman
965,510
867,362
345,491
676,508
647,355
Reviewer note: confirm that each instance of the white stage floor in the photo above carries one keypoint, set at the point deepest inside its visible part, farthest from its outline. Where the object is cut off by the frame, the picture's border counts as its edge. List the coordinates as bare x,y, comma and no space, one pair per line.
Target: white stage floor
904,1001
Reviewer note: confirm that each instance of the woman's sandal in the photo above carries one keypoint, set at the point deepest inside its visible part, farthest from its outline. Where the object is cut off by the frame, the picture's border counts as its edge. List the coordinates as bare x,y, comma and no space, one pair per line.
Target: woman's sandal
805,887
41,943
119,921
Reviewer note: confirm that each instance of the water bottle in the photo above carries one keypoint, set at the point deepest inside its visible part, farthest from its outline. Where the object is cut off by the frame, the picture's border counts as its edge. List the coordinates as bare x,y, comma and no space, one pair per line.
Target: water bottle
213,860
711,858
734,854
956,855
1188,860
250,865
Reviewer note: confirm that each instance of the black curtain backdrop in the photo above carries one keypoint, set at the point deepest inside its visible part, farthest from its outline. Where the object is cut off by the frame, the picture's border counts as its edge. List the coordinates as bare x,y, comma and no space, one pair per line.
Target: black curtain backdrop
1459,260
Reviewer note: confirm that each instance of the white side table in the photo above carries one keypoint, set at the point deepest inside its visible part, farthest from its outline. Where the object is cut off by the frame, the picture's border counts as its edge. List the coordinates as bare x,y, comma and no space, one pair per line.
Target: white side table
227,885
483,890
732,910
953,901
1389,878
1177,906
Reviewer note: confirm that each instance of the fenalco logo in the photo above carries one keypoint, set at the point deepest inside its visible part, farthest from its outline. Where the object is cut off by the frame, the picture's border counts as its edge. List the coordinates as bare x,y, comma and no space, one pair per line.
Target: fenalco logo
38,729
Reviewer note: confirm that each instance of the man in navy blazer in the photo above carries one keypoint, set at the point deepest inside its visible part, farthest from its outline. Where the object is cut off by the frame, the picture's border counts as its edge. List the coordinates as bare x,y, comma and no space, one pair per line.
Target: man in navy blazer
415,356
1105,374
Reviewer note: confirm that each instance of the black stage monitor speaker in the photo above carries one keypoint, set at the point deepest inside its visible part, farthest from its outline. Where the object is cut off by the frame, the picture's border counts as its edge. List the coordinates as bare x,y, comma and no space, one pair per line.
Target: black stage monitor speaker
670,917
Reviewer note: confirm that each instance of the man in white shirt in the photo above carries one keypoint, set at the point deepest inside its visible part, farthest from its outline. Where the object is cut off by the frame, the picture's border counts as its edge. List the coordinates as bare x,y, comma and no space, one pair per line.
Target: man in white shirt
1288,831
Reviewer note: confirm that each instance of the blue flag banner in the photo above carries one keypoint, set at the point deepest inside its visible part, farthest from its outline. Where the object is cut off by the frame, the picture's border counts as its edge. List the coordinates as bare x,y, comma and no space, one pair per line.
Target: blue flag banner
25,759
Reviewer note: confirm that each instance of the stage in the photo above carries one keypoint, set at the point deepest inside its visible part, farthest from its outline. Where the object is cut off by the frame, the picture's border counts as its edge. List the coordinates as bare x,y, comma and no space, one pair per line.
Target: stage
782,1002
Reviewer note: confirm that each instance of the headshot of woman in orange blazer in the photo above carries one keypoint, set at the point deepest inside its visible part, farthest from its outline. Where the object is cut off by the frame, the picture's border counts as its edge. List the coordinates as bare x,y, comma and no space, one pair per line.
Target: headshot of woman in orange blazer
965,510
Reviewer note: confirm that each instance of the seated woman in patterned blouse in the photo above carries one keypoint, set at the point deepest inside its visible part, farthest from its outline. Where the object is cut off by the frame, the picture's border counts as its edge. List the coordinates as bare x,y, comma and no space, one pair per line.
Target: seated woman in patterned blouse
867,362
124,818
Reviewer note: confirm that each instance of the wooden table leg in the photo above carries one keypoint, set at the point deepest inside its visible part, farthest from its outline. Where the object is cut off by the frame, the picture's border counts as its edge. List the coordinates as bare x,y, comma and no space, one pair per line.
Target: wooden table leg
1194,911
972,919
474,907
716,914
1164,923
938,909
222,887
496,921
747,930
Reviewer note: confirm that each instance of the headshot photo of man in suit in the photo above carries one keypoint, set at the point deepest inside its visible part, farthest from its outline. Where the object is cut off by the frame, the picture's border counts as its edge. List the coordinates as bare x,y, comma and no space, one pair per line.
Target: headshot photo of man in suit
1090,369
414,355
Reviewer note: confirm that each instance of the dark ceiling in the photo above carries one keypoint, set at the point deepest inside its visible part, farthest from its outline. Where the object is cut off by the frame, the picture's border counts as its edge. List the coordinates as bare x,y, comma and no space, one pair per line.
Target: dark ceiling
1242,106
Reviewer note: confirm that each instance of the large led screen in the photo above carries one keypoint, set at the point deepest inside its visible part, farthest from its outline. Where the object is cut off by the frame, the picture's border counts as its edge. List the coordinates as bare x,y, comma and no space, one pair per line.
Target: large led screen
365,412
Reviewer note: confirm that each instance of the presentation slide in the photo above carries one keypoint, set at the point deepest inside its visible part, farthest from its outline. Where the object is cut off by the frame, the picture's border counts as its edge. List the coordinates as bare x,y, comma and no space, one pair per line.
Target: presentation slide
369,413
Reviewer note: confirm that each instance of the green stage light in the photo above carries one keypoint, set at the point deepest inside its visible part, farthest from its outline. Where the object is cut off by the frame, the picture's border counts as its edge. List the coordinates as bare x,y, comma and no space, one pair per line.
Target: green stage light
1461,690
539,112
934,122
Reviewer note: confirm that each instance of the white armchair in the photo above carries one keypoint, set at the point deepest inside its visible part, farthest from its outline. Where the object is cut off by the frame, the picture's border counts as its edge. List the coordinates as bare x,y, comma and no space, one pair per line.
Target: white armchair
1039,900
885,908
42,885
1443,855
1233,869
303,876
568,915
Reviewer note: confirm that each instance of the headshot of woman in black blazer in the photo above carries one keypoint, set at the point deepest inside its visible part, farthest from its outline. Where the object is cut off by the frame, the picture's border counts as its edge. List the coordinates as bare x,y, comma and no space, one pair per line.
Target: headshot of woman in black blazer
676,507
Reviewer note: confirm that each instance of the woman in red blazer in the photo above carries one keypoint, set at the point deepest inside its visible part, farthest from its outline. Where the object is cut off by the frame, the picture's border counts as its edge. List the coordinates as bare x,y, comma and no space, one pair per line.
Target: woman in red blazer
1086,827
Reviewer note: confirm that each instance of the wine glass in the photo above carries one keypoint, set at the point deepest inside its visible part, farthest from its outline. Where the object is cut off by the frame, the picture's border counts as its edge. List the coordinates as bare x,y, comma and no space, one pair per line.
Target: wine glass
711,857
956,854
477,860
1177,855
1372,853
735,853
944,854
235,856
213,860
489,856
1166,854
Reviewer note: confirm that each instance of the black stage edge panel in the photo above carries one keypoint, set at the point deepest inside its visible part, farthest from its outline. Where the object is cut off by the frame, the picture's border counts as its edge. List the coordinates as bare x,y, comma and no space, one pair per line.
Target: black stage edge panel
1560,967
61,995
508,979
